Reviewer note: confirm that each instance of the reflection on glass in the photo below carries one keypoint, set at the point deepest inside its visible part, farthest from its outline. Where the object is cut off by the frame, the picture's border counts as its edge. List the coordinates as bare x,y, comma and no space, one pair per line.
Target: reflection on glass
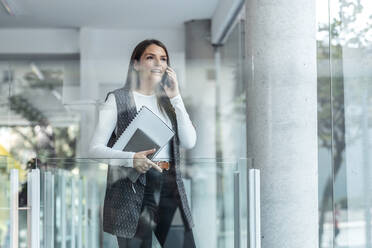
46,111
231,141
347,191
35,119
90,193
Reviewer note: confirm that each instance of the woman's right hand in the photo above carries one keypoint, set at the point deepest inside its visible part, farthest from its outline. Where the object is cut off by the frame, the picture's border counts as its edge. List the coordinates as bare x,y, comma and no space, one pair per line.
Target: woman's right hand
142,164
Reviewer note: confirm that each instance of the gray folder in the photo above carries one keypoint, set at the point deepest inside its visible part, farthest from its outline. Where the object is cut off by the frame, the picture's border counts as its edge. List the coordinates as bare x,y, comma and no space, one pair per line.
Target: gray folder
139,142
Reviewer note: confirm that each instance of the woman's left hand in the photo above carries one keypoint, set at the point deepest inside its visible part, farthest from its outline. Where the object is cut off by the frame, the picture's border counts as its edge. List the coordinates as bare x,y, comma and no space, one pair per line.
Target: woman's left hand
172,90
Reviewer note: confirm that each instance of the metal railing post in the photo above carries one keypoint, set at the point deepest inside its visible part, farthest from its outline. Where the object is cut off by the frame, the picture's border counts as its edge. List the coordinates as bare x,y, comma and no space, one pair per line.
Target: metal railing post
236,209
63,209
73,213
80,215
85,214
14,208
33,211
254,213
48,229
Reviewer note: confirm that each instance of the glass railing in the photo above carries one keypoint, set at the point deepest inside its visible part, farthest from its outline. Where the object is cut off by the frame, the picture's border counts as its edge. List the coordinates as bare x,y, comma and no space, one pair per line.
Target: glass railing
70,207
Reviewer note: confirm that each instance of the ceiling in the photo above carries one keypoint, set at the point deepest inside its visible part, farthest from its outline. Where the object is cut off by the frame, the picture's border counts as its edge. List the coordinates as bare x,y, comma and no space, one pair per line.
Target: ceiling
136,14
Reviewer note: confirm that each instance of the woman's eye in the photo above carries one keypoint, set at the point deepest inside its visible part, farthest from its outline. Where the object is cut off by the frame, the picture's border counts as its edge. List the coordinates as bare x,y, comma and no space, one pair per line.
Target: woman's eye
164,59
149,57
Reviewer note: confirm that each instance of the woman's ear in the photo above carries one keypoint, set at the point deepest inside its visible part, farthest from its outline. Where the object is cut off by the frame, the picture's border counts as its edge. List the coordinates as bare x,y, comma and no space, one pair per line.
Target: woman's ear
135,65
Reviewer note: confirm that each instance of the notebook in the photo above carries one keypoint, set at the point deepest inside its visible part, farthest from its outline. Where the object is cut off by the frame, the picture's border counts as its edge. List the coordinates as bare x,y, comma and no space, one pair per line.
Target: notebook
140,142
146,131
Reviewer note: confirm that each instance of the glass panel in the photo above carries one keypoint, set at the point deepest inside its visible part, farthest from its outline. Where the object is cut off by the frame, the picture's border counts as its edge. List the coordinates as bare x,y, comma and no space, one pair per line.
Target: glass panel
34,117
53,88
89,177
232,95
6,164
231,124
325,171
351,60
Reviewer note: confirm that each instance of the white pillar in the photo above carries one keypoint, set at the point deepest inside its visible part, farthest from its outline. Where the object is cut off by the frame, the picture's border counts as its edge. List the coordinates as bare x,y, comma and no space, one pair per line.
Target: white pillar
282,118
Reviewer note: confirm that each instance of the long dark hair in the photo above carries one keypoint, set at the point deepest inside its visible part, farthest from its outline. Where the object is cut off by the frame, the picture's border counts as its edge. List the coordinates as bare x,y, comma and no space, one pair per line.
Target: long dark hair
133,82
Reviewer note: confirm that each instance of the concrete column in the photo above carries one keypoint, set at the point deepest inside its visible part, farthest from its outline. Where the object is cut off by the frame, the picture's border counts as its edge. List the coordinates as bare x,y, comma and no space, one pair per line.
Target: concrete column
282,118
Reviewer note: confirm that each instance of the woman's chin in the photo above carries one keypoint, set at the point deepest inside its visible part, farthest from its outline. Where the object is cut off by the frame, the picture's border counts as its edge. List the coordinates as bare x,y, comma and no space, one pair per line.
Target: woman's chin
155,80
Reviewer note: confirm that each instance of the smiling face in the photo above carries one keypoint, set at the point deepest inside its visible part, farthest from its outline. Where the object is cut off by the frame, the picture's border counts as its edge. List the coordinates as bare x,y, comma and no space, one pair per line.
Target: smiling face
152,64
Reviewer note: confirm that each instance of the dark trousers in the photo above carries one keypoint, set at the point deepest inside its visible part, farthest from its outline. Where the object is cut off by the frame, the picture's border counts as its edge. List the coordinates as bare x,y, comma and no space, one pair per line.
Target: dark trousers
160,202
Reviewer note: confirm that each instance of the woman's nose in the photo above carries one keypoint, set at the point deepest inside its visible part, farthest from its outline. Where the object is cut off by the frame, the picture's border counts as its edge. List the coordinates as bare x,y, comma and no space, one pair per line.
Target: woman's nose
157,61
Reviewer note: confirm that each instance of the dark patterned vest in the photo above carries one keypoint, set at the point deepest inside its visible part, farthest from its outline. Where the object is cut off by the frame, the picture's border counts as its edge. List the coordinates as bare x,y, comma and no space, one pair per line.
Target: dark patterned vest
124,195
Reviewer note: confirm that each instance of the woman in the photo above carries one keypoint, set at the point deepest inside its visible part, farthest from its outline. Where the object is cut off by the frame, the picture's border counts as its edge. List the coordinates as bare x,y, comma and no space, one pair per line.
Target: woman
143,195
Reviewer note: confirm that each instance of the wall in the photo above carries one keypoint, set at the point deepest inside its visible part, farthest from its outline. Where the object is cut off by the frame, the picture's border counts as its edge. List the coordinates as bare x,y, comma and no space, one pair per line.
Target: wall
39,41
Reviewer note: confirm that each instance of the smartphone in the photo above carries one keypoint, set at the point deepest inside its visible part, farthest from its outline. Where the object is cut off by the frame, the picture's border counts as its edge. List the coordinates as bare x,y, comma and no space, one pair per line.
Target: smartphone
165,80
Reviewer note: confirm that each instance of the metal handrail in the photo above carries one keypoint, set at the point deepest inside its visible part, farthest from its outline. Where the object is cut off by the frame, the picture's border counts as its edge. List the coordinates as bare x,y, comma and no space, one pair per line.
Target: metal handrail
14,208
237,229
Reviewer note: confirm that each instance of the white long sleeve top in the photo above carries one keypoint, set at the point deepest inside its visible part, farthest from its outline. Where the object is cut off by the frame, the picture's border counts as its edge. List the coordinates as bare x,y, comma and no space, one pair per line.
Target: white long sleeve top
107,123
